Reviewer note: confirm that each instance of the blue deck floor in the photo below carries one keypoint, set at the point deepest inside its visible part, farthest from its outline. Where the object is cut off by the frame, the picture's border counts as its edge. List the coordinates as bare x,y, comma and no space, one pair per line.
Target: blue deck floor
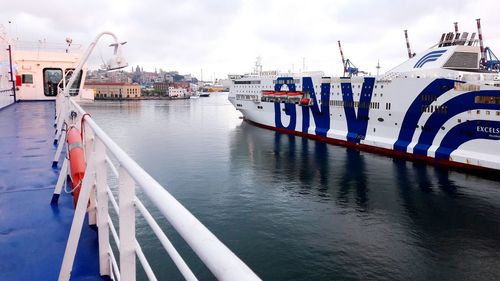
33,233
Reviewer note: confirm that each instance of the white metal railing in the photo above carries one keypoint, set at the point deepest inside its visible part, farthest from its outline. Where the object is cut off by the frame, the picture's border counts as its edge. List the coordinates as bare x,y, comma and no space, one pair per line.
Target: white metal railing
96,194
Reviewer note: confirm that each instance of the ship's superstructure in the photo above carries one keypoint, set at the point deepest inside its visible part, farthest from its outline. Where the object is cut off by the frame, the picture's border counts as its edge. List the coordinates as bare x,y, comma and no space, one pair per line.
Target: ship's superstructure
442,105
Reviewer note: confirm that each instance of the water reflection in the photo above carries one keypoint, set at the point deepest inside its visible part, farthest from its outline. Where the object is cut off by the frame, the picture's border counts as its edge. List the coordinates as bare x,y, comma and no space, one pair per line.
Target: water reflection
352,178
432,219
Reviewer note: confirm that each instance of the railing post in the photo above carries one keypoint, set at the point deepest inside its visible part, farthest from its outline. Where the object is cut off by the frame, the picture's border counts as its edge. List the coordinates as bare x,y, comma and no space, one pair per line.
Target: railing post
61,181
89,149
60,119
126,196
76,225
102,208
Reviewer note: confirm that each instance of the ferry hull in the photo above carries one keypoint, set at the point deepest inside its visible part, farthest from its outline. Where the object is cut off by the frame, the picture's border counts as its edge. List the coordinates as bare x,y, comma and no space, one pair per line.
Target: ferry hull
383,151
438,121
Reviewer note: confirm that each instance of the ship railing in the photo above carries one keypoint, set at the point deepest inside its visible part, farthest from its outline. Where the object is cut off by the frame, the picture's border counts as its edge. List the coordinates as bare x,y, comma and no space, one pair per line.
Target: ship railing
104,158
45,46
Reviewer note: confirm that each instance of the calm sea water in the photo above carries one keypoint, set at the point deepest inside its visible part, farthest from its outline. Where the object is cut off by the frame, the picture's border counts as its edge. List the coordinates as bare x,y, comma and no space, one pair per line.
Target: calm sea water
297,209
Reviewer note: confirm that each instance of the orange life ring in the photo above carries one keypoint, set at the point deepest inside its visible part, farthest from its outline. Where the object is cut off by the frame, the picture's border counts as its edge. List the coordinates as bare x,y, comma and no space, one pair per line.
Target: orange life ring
76,161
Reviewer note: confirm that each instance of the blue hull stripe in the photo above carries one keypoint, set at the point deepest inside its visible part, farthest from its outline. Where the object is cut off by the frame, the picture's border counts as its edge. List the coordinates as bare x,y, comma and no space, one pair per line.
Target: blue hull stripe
455,106
357,123
320,113
461,134
436,88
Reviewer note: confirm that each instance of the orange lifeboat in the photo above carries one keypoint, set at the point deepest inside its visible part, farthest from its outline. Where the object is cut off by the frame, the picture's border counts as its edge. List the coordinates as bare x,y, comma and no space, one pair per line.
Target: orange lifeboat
76,161
305,101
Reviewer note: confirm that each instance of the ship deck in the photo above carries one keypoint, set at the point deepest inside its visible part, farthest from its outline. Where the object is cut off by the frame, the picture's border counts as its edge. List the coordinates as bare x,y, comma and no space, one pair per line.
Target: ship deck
33,233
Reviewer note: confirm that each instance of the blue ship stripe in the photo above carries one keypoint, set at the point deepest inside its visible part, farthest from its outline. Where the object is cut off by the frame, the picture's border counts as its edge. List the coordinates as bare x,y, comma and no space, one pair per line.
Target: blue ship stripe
357,123
428,59
461,134
439,53
456,105
436,88
321,114
290,109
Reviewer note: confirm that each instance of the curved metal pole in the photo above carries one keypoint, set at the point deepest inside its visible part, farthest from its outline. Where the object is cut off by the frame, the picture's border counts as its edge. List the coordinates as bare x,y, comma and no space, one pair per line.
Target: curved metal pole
85,58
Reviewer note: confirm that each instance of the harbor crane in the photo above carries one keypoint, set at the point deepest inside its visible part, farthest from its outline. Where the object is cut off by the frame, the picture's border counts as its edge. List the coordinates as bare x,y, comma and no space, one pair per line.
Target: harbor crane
492,61
349,67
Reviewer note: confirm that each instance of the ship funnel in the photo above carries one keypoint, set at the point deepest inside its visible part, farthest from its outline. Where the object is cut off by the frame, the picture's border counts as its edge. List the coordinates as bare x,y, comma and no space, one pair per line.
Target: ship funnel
441,41
481,46
472,39
408,44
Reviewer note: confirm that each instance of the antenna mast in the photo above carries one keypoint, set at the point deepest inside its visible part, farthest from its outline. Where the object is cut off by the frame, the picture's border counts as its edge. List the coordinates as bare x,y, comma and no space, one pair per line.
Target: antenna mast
481,46
408,44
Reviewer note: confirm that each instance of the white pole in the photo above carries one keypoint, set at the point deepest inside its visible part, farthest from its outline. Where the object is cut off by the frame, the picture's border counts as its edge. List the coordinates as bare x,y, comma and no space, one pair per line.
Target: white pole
76,225
102,208
126,223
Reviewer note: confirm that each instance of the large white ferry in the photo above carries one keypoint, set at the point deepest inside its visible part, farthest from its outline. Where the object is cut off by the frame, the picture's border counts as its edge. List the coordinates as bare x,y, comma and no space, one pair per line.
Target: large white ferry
442,105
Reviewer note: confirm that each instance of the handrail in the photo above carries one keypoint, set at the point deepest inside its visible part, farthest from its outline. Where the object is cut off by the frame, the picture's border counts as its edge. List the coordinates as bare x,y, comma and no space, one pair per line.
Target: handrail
219,259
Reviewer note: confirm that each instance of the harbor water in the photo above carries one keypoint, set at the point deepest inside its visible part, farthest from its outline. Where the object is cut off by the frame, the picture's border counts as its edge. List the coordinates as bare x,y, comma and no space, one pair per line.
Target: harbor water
298,209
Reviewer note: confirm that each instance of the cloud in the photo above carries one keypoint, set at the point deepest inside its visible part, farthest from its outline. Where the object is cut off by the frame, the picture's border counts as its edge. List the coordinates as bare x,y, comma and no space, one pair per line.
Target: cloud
226,36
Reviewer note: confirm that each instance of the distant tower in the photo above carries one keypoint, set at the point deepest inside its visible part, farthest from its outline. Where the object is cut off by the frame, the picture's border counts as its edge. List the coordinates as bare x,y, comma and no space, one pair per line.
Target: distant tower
378,67
456,26
258,65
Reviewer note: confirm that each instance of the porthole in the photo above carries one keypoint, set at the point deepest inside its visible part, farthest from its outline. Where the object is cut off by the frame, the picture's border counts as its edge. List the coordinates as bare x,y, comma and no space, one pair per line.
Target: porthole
380,119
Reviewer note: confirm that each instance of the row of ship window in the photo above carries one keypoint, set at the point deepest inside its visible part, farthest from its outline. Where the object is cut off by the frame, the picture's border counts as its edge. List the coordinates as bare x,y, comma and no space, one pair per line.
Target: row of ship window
488,112
332,94
372,105
440,109
99,95
375,105
316,86
477,99
296,82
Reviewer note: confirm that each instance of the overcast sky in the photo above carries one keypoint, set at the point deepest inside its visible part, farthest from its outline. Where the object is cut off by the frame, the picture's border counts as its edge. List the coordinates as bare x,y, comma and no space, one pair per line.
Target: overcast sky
225,36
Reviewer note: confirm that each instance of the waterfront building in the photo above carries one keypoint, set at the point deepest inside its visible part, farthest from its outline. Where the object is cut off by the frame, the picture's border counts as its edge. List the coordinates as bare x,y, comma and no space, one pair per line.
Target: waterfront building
176,92
112,90
161,87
